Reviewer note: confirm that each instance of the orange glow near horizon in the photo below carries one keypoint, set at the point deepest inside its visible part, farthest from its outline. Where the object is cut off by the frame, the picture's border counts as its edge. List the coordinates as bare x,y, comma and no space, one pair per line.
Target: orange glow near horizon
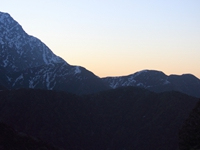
103,71
114,38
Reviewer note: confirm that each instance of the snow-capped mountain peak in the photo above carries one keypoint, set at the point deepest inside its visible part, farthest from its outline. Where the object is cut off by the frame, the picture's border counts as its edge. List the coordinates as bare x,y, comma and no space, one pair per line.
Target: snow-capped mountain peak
19,50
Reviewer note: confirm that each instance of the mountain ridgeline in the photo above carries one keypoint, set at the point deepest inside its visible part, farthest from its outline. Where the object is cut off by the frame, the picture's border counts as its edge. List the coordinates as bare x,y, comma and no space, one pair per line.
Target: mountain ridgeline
43,99
26,62
157,81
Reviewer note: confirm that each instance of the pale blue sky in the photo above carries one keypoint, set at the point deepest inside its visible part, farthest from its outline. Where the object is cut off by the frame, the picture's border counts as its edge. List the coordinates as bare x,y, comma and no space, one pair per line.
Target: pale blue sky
116,37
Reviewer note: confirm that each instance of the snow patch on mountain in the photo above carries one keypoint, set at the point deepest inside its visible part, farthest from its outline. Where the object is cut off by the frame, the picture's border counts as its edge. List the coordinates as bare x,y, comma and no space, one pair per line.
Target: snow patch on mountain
114,85
5,61
18,79
166,82
31,84
139,73
77,70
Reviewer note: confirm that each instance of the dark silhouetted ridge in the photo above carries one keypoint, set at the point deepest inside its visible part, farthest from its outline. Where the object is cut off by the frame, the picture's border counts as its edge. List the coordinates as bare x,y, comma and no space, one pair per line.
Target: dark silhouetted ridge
125,118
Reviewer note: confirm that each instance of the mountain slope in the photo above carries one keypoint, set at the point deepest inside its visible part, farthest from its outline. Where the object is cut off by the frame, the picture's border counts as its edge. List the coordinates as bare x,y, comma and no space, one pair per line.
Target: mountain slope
124,118
26,62
19,50
11,139
157,81
189,134
59,77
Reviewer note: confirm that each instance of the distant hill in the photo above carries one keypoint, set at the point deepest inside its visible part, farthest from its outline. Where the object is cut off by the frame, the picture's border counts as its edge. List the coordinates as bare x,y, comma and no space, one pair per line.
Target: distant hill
124,118
157,81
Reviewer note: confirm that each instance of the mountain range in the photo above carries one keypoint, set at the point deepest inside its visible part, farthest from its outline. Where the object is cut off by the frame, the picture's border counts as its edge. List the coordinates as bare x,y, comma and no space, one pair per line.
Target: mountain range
26,62
44,99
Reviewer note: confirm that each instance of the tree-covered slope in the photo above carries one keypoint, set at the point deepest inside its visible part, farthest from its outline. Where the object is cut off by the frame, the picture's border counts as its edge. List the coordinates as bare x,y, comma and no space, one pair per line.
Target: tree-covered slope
124,118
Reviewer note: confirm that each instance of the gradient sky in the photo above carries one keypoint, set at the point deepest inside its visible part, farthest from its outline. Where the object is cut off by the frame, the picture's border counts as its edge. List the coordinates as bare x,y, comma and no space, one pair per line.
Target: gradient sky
116,37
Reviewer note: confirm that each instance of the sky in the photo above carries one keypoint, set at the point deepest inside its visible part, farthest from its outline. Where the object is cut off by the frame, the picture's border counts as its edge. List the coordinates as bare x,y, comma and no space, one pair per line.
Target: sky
116,37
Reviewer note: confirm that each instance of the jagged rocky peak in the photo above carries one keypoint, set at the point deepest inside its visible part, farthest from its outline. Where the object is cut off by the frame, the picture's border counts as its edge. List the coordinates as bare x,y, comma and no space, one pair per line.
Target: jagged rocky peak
19,50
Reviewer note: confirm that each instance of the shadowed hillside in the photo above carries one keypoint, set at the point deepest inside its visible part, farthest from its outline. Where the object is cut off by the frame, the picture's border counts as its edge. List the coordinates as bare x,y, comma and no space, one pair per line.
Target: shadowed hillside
189,135
12,140
124,118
